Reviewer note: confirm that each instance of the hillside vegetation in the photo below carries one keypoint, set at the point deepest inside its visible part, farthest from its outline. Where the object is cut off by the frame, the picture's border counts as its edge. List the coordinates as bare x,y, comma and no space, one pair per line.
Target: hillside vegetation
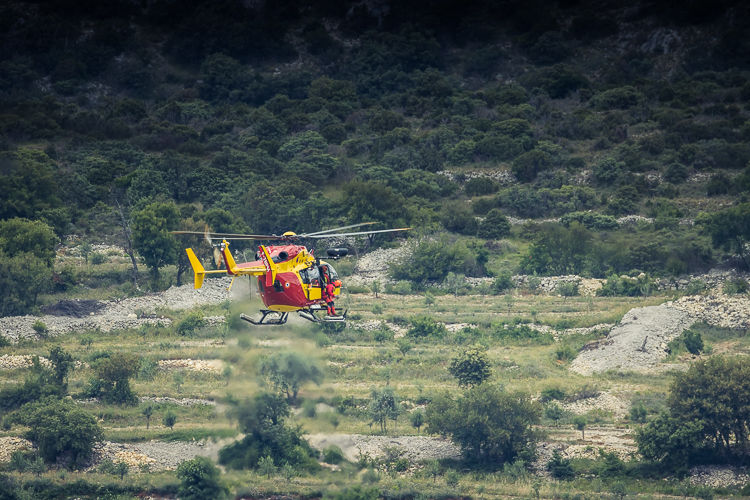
560,164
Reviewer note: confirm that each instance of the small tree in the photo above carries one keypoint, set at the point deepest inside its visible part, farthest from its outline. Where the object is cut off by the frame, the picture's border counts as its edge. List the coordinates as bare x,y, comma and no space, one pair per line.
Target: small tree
383,334
179,379
62,362
489,424
509,301
151,237
432,469
37,466
121,469
417,419
471,367
115,373
200,480
429,299
553,412
580,424
567,290
454,281
619,490
638,413
451,478
60,426
693,342
147,411
375,287
384,406
495,225
288,371
266,467
169,419
226,374
87,340
85,251
560,467
404,345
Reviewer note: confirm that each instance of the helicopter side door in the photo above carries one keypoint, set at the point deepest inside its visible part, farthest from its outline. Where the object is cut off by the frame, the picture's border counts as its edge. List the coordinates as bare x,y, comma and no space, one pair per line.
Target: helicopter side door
311,282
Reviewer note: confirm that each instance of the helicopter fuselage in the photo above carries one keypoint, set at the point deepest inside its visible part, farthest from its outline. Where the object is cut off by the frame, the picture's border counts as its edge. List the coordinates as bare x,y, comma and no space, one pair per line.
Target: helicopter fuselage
292,278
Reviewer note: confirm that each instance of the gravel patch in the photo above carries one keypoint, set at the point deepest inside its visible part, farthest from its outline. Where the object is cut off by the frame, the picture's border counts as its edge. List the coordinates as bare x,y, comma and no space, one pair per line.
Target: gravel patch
374,265
179,401
9,445
121,314
637,344
718,310
158,455
196,365
604,401
22,361
717,476
415,448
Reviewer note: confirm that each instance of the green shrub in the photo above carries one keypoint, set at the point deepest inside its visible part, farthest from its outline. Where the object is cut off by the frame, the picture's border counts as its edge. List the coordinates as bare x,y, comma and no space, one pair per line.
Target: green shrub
39,327
560,467
693,342
696,287
565,353
735,286
503,283
188,325
425,326
494,226
480,186
528,165
98,258
59,427
618,98
591,220
553,393
333,455
200,479
638,413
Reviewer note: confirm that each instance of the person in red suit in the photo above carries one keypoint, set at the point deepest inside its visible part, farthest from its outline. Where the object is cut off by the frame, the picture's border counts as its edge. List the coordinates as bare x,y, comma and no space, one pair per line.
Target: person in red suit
329,296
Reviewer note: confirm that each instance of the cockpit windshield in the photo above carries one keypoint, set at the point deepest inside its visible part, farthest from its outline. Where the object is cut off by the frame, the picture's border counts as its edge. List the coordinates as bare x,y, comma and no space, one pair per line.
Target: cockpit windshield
331,271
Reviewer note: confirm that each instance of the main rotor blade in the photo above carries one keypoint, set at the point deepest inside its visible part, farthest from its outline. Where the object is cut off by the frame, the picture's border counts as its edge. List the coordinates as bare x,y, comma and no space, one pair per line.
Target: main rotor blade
361,233
230,235
336,229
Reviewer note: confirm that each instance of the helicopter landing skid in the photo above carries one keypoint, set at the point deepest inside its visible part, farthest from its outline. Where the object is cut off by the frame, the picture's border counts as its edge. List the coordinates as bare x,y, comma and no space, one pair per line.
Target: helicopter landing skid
280,320
309,315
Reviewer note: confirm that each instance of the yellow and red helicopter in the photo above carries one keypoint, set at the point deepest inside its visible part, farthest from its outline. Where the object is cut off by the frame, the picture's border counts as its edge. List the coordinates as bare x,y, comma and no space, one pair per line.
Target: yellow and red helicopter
290,278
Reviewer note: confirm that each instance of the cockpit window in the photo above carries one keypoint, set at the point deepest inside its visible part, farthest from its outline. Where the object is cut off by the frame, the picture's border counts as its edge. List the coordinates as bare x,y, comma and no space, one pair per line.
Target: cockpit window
310,276
331,272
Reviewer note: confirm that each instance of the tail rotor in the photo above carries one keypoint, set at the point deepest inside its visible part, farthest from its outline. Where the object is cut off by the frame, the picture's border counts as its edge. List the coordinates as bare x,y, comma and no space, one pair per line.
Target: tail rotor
217,251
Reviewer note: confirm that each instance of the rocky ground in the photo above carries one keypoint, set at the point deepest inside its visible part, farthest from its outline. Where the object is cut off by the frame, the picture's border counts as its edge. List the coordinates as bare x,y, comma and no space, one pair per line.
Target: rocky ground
719,310
121,314
157,455
413,448
637,344
374,266
605,401
198,365
9,445
717,476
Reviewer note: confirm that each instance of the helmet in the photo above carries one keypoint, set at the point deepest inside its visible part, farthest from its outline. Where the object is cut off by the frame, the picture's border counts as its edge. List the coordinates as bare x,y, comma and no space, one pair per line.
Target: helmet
337,283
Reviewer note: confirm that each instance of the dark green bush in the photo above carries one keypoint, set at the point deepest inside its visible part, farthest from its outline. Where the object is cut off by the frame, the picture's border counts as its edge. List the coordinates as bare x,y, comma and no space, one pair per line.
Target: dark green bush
425,326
